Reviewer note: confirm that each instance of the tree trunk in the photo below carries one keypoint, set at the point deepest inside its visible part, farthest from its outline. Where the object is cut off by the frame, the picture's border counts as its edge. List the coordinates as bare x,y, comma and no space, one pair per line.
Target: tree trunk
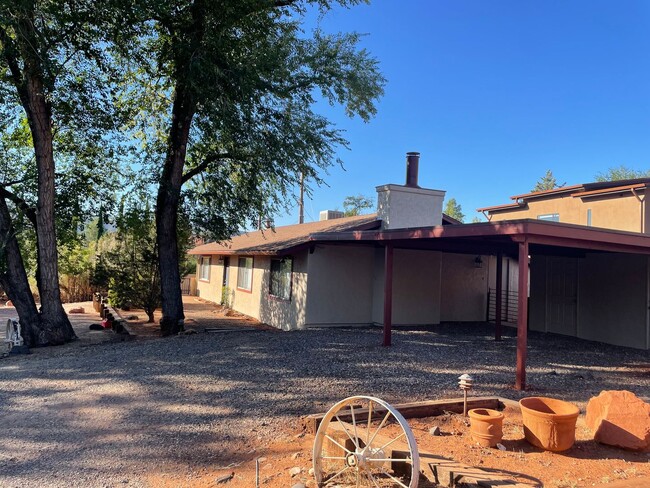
167,204
14,281
32,93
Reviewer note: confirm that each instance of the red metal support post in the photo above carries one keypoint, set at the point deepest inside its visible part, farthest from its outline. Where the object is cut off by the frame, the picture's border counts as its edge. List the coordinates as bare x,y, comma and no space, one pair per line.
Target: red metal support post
499,298
522,317
388,293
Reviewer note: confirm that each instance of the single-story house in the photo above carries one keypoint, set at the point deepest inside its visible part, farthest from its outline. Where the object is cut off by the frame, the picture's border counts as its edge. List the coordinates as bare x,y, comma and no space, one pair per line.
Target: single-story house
404,266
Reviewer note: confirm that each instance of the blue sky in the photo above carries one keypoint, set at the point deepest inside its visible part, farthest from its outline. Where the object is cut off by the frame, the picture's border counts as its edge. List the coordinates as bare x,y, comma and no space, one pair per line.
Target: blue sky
494,93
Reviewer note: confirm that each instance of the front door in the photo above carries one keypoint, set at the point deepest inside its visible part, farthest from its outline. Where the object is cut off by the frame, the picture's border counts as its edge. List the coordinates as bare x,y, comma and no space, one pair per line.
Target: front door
562,296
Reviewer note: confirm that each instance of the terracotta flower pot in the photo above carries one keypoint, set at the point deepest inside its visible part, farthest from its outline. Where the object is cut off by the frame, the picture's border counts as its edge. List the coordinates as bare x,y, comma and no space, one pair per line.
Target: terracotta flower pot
486,426
549,423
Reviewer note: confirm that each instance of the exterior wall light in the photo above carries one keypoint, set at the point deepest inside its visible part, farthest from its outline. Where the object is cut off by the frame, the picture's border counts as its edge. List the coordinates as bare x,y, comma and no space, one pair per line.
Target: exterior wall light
478,262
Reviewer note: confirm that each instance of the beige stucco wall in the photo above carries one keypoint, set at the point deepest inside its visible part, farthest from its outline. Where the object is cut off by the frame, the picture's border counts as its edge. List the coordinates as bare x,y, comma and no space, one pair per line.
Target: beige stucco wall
210,290
285,314
463,295
340,285
619,212
416,287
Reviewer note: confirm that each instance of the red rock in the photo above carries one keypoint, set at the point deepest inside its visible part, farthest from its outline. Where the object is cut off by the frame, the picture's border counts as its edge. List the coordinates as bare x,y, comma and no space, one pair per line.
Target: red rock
9,303
619,418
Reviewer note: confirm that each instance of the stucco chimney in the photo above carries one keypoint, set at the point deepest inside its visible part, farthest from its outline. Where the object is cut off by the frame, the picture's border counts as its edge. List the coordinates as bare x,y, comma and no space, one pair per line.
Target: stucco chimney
408,206
412,164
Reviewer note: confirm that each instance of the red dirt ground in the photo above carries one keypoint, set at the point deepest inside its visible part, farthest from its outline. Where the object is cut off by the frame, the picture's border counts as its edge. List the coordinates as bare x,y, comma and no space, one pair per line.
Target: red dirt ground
586,464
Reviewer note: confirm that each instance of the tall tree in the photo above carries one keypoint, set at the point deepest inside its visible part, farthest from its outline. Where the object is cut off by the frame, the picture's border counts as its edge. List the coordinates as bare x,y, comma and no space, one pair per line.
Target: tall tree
46,52
242,78
622,173
454,210
546,182
354,205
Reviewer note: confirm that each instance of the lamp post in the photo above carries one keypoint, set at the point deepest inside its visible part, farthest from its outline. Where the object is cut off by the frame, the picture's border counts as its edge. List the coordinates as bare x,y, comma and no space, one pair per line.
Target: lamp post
466,382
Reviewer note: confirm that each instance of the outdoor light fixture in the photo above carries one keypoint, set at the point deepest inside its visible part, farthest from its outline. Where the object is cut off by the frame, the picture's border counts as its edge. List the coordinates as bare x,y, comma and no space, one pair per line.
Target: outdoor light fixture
478,262
466,382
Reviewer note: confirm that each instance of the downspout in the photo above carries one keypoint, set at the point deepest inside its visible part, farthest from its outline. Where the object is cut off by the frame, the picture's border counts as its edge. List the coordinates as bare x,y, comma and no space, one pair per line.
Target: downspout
647,308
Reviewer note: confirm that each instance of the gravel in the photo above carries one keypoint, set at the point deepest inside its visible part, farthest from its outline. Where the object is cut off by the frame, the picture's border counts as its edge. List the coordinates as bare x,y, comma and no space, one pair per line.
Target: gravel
105,415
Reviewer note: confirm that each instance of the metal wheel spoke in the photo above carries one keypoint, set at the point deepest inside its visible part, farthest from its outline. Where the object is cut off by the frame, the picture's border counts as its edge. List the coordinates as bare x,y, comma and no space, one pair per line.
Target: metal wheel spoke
358,477
369,420
403,434
372,478
334,458
354,426
339,473
342,447
393,477
354,441
390,460
388,414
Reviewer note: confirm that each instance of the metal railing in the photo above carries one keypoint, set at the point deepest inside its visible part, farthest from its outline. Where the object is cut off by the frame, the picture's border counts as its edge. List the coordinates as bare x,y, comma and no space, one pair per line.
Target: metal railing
509,306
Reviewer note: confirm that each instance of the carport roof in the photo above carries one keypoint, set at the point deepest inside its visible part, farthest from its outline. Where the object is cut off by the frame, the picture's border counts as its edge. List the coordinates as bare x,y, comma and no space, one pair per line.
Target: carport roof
493,237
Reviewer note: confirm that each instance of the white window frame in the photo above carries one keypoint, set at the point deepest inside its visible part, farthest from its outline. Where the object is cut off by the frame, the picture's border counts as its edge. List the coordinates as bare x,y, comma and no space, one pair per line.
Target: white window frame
554,217
245,273
204,268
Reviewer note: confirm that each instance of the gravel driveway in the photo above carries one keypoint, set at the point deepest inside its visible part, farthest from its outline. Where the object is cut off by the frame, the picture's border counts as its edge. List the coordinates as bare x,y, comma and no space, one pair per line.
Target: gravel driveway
107,414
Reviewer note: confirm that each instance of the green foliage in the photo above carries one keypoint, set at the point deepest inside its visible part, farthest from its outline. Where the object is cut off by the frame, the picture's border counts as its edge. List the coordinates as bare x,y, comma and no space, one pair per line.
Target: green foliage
226,294
454,210
622,173
546,182
251,77
355,205
131,261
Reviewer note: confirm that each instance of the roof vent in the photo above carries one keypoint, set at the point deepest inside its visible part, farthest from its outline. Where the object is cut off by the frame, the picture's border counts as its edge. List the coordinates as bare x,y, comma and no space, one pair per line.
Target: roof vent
330,214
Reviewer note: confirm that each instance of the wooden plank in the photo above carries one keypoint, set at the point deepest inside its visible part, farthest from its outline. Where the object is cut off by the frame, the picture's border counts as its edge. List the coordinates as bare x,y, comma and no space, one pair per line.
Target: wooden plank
429,408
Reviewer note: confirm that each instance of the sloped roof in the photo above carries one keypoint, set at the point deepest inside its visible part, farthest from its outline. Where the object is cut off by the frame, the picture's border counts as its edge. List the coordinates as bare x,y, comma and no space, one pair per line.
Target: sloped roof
582,190
284,238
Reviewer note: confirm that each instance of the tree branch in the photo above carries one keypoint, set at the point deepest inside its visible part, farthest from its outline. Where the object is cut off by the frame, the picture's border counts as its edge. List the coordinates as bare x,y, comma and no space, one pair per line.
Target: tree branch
29,212
205,164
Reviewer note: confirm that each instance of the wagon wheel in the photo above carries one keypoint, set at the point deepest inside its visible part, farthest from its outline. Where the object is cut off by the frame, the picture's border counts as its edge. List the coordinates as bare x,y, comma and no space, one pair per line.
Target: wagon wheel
364,442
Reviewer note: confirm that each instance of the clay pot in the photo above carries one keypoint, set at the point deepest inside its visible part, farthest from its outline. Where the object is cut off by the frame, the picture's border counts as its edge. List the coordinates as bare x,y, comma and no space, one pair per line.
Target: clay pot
486,426
549,423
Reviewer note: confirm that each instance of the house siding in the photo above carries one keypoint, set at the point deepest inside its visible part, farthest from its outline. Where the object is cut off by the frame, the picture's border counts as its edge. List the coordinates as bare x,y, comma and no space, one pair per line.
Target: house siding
340,286
416,287
464,288
618,211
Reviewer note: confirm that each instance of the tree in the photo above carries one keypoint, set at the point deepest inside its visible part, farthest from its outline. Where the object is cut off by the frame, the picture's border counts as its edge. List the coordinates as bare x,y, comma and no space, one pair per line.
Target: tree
48,51
454,210
546,182
131,262
241,79
356,205
621,173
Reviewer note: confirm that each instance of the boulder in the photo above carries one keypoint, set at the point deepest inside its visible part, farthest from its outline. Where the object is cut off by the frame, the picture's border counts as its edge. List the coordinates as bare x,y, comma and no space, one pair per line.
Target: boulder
619,418
77,310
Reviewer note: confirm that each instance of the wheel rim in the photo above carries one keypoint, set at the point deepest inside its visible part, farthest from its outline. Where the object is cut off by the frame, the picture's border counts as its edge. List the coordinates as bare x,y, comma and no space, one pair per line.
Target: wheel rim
356,443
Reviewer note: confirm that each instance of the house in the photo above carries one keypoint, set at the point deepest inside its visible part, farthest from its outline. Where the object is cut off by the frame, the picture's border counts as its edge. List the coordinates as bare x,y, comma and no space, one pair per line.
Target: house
284,278
404,266
619,205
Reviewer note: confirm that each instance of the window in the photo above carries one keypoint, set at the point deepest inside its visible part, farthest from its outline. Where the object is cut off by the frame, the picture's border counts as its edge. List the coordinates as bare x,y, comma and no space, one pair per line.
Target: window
245,274
549,217
204,268
280,283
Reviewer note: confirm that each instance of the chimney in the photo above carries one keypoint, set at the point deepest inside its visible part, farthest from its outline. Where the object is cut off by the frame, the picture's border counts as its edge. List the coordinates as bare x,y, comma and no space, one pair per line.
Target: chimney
412,164
409,206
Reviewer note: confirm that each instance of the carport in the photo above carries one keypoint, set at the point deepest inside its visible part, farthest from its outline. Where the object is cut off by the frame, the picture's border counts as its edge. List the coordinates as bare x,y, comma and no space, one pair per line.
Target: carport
520,239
